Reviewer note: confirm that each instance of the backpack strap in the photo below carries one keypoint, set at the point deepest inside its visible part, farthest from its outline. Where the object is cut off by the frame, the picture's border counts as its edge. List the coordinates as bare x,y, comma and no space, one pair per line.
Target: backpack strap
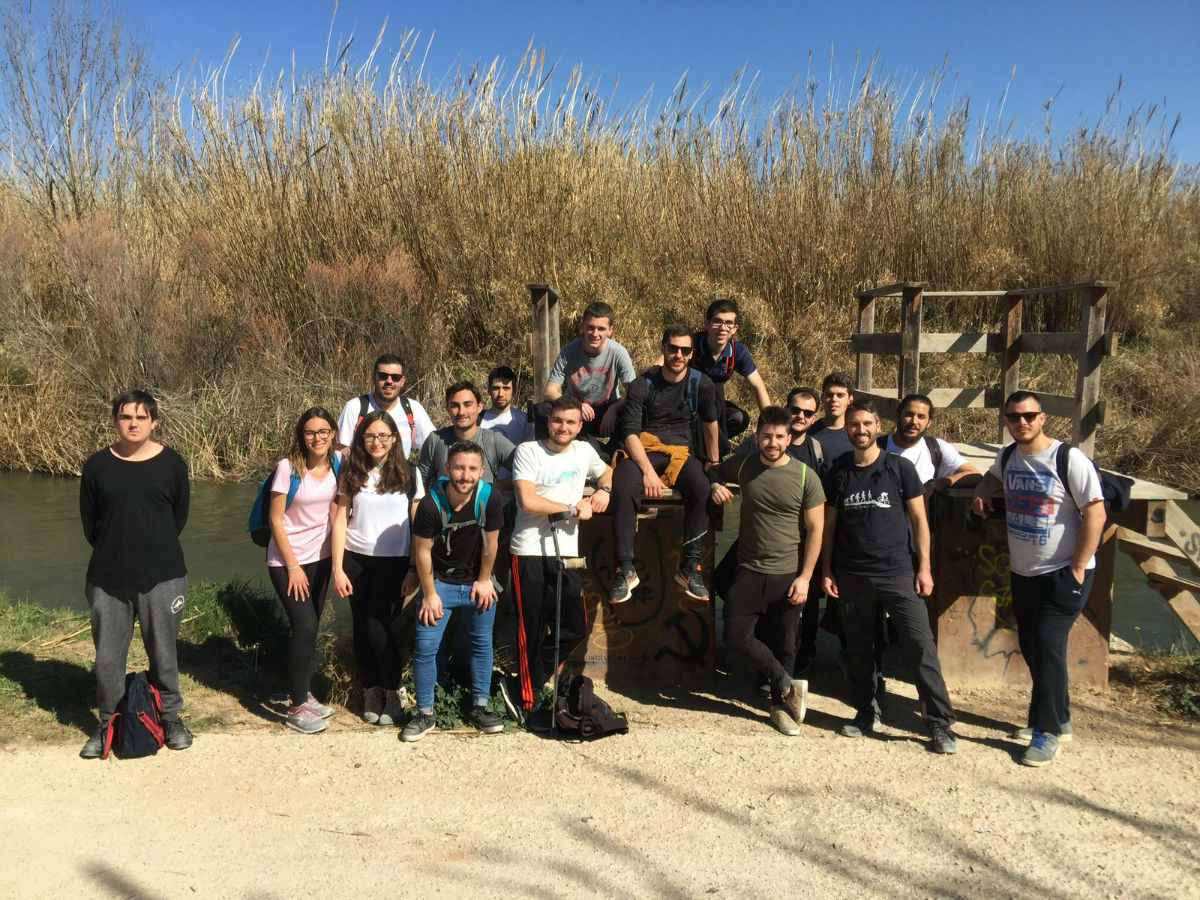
935,453
364,407
1062,465
1005,456
483,493
818,451
692,391
891,463
293,486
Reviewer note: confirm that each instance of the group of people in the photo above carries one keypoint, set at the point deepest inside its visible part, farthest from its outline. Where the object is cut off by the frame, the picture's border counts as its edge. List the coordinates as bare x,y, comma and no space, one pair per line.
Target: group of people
393,511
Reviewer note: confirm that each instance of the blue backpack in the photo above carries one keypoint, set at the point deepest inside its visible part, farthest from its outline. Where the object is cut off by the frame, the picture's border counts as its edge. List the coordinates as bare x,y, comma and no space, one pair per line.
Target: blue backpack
259,524
483,493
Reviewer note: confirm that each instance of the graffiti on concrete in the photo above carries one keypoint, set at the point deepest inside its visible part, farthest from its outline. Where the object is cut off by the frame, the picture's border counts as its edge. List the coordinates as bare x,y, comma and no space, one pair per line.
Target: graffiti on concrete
991,612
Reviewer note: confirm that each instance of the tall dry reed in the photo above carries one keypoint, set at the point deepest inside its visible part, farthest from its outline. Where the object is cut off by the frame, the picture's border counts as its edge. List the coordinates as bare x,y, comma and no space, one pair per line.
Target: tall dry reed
248,253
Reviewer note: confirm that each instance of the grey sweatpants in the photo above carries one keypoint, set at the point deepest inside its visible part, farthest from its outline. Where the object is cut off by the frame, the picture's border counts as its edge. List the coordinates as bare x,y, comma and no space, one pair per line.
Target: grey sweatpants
159,610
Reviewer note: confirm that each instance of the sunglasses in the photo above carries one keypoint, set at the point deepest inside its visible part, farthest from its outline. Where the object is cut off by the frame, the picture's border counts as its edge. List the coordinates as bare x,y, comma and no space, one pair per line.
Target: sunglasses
389,376
1016,417
797,411
676,350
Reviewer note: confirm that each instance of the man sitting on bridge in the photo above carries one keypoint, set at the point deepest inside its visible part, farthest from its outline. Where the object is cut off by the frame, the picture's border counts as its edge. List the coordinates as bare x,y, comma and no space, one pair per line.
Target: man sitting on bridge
667,414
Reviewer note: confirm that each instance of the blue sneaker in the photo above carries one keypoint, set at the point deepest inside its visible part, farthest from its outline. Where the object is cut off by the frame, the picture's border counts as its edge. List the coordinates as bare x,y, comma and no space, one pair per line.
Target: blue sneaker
1041,750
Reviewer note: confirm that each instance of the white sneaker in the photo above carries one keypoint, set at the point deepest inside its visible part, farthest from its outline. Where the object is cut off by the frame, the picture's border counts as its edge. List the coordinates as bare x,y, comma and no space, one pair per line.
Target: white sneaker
782,719
305,720
322,711
393,708
373,701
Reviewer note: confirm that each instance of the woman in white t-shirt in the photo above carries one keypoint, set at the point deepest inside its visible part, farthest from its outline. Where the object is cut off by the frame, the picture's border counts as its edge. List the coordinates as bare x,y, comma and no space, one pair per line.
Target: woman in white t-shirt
298,554
377,492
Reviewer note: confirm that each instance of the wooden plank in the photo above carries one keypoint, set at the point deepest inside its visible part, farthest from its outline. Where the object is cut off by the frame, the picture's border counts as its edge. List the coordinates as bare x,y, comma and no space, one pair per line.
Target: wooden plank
1062,288
1175,582
961,342
1140,547
889,342
943,398
889,290
1010,355
1183,602
865,362
910,340
545,336
1183,533
966,295
1087,415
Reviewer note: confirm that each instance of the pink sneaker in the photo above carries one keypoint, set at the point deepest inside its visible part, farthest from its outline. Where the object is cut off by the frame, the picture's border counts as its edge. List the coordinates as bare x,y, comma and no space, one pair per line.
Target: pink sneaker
318,707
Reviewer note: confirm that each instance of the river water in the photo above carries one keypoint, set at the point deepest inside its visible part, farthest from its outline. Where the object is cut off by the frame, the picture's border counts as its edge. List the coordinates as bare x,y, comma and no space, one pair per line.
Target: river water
44,556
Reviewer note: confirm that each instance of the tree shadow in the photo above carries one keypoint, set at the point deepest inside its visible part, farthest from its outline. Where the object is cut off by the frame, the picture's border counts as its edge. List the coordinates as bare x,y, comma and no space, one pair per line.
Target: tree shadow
114,883
246,675
65,689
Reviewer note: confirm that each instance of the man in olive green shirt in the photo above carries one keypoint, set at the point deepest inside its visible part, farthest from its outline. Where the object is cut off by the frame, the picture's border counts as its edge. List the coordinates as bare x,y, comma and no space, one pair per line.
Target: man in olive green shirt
781,500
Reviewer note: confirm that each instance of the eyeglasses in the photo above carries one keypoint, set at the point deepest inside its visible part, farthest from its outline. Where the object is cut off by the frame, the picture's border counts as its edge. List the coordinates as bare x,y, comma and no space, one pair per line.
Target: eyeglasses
717,323
676,350
1016,417
797,411
323,433
378,438
389,376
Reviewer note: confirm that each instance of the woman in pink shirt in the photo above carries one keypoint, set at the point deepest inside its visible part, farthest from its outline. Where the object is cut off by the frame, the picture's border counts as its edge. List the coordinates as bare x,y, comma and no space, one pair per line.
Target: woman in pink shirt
298,555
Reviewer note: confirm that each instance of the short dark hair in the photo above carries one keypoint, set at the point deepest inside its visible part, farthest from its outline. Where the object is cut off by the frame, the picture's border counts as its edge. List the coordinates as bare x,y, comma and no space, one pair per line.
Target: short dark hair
811,393
1019,396
389,359
723,305
598,309
677,330
775,416
503,374
867,406
565,402
837,379
914,398
464,447
463,385
137,397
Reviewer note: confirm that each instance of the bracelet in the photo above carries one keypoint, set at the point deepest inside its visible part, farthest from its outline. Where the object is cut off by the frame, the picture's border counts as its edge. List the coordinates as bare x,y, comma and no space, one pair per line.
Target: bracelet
572,510
293,568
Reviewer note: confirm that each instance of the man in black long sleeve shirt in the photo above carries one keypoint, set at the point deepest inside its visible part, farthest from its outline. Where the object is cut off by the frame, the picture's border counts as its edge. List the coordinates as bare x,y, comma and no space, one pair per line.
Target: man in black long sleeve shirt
133,501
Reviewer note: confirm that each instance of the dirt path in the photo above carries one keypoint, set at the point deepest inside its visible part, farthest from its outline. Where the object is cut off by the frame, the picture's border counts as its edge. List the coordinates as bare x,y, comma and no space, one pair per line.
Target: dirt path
701,798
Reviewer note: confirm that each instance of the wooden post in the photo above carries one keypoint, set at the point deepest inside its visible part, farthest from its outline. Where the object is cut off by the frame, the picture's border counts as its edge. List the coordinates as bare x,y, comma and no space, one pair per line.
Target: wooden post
1087,378
865,362
910,340
545,332
1010,356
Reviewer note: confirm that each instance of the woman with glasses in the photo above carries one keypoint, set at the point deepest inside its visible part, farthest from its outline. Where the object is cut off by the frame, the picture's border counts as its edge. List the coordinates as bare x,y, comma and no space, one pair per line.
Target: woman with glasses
298,555
377,493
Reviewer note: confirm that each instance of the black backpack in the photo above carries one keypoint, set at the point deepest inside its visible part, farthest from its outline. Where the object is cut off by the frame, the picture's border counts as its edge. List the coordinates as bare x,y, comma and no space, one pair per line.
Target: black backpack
1113,488
935,449
839,474
135,729
579,712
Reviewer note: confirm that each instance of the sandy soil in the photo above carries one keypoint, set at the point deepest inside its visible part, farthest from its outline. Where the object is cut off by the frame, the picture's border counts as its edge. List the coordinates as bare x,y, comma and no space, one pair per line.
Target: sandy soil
700,798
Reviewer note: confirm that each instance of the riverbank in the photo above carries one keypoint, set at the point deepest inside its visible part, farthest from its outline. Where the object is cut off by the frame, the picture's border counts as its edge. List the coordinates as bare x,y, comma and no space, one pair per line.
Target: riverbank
1116,814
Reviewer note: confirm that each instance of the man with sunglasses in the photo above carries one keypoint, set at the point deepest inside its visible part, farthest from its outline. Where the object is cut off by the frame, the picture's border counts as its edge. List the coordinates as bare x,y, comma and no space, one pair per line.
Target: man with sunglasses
410,417
664,411
1053,531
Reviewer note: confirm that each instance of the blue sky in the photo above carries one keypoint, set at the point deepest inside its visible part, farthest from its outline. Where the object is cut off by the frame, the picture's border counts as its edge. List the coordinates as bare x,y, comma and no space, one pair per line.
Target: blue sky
1075,53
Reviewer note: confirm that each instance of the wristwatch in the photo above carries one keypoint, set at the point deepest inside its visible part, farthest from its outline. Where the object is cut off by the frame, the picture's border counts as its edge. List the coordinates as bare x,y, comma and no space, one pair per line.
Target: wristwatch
607,488
572,511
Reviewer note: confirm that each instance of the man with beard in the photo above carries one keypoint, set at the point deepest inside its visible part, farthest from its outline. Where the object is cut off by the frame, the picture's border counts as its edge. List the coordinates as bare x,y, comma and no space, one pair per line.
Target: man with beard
763,604
1055,512
939,465
548,477
463,405
414,423
873,498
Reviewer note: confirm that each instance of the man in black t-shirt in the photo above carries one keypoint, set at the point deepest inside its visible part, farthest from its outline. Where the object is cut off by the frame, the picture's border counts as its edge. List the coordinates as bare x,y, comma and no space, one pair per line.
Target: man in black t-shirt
872,500
133,501
664,411
455,531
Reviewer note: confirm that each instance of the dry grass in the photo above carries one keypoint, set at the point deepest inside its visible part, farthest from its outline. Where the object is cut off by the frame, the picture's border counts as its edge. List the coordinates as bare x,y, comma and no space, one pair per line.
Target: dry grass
248,254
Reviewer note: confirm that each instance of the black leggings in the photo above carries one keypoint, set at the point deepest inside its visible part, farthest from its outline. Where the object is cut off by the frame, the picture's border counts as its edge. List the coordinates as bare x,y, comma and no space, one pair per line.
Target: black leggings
305,616
761,623
627,498
374,606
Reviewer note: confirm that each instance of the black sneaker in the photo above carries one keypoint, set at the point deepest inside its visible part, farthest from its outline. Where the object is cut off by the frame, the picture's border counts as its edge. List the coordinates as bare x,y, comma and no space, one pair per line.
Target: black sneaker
176,735
623,584
692,581
485,721
540,720
418,726
94,748
861,725
510,693
941,739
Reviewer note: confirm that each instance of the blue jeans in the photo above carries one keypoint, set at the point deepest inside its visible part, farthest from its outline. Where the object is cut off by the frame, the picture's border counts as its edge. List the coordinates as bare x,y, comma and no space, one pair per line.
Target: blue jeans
429,638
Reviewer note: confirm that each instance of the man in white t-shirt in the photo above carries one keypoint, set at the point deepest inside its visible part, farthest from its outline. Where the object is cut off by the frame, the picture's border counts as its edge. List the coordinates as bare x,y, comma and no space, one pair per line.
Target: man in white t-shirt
1055,512
548,477
412,422
939,465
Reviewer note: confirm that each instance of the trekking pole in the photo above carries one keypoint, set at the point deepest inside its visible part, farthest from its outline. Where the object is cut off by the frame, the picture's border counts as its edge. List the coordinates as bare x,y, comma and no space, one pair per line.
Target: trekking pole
559,567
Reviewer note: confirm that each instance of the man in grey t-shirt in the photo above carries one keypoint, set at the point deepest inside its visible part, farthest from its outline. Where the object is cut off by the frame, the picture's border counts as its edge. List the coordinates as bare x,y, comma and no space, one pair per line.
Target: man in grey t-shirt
592,369
463,405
